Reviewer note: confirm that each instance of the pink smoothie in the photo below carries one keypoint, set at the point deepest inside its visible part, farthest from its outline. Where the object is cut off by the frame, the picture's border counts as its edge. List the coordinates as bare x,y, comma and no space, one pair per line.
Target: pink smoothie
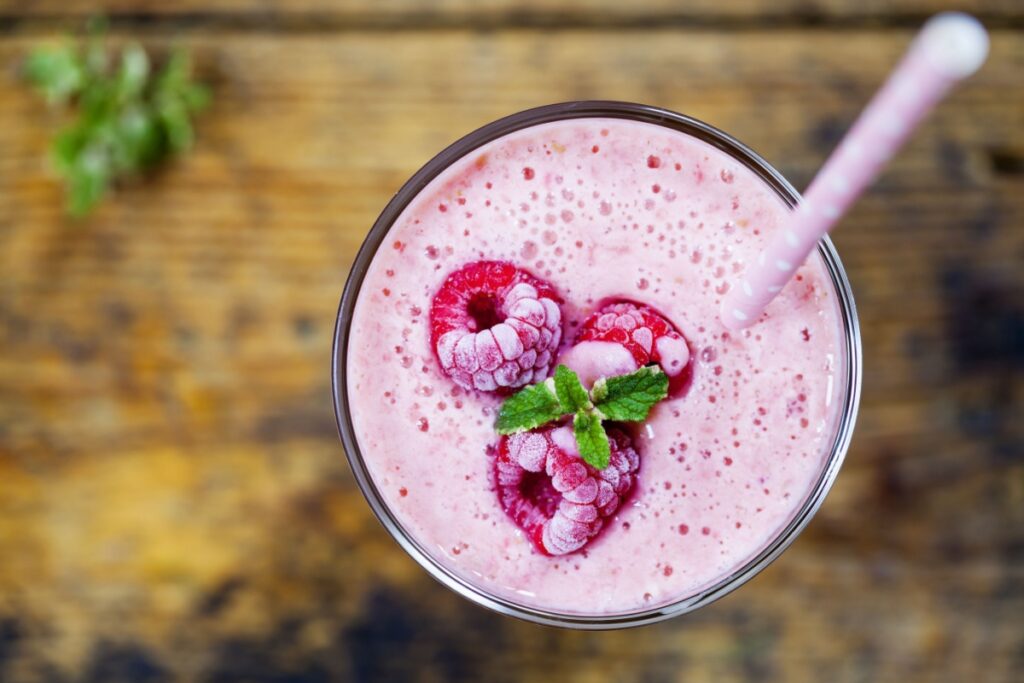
601,208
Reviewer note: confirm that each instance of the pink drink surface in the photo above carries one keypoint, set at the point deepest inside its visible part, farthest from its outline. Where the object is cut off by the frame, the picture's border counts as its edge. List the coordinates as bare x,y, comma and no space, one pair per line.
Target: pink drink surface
601,208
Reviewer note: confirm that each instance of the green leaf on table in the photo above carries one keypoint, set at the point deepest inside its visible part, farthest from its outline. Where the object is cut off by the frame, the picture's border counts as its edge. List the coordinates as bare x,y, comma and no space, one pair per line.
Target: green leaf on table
57,72
88,180
134,72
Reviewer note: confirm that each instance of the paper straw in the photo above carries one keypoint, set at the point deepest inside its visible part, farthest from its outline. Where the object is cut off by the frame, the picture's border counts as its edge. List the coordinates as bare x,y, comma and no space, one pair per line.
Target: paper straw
950,47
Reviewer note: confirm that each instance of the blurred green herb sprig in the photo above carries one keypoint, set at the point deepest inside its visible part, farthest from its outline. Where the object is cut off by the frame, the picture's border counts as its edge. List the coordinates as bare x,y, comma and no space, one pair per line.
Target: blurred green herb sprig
129,116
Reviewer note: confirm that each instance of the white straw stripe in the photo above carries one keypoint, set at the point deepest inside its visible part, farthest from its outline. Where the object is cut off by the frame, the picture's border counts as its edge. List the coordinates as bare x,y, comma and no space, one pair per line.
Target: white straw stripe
840,183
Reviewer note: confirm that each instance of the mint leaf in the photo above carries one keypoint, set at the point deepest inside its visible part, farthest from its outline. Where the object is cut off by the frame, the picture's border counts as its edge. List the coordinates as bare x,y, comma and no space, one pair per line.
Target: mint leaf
87,181
570,390
628,398
533,406
134,71
56,72
591,439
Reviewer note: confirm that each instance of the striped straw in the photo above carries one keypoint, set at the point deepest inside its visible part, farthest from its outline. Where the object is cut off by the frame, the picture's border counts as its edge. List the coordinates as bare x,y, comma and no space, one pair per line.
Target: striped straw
951,46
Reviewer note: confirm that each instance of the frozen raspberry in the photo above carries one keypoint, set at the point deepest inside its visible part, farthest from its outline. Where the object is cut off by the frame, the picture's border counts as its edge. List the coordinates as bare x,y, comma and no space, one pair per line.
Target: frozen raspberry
495,327
640,330
557,499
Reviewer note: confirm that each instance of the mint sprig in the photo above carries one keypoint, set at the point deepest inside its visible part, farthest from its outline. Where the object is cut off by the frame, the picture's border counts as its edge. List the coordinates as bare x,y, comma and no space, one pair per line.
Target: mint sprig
129,116
622,398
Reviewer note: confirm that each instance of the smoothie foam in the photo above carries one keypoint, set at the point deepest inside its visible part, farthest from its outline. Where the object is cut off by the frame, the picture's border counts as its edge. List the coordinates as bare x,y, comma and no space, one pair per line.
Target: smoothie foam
601,208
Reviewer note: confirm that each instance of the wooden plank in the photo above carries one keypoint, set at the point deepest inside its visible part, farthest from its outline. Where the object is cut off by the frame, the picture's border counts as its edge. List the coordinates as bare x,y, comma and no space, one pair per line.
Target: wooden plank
417,14
171,489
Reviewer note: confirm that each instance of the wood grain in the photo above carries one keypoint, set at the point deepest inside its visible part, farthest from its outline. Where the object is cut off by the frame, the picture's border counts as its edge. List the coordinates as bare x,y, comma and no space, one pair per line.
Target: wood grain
173,501
330,14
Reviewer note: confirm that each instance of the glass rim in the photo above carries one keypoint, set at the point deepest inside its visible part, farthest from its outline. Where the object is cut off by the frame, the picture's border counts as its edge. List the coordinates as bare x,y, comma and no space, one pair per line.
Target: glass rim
849,400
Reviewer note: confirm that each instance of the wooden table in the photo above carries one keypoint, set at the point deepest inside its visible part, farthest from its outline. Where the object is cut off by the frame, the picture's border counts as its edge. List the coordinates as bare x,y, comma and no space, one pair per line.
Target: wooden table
174,503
